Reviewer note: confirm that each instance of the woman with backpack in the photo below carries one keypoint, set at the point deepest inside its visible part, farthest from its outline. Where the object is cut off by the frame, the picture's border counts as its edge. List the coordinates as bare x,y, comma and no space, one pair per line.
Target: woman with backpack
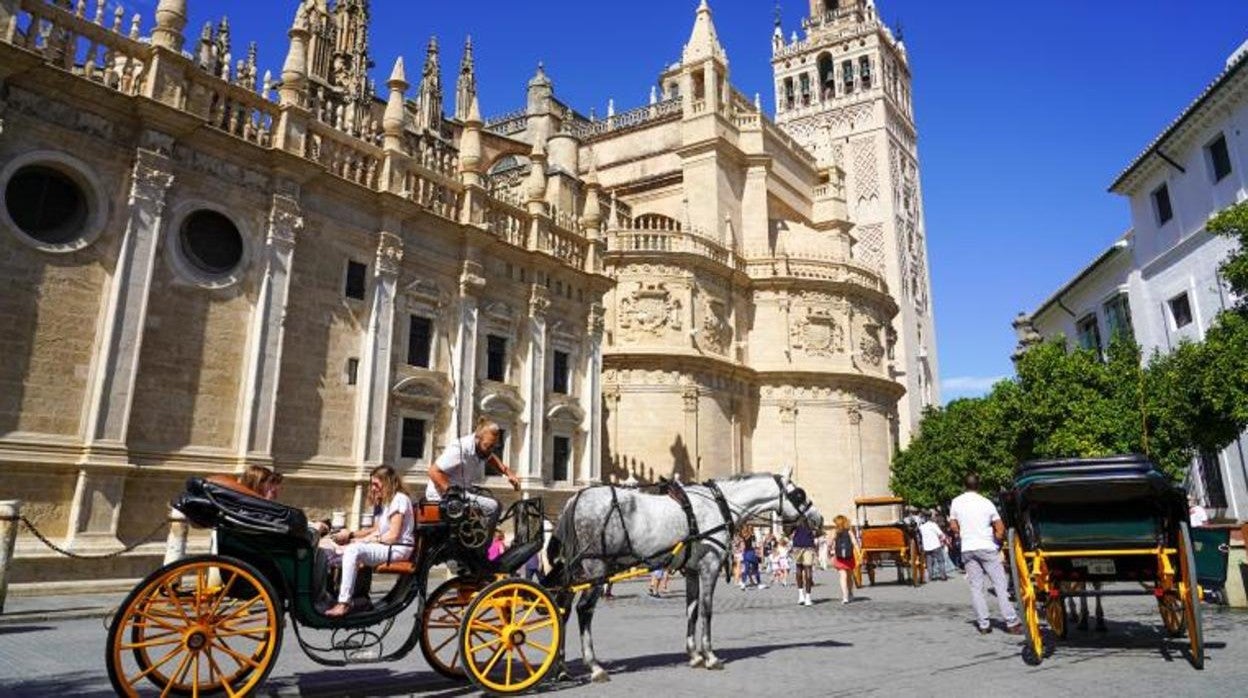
844,549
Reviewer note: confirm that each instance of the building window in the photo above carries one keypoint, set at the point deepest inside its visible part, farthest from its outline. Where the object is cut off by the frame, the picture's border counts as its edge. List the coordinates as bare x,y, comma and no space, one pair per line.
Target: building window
864,72
211,243
1161,204
413,441
1180,310
788,93
496,358
847,77
419,341
804,81
561,455
827,80
1088,333
1219,158
1210,476
353,371
1118,317
559,378
46,204
357,280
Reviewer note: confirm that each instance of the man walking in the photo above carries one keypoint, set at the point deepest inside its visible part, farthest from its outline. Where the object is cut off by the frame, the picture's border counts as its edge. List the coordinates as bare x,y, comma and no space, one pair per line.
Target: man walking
934,549
975,519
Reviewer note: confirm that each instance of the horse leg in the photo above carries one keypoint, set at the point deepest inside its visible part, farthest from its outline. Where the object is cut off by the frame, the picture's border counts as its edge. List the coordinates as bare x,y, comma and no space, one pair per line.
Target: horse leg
1100,612
706,597
1083,608
563,602
585,618
691,613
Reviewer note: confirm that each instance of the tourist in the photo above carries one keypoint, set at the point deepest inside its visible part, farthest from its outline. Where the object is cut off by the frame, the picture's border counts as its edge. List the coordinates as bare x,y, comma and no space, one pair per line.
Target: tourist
658,582
934,548
391,536
1196,514
973,517
497,547
844,551
256,478
780,562
804,551
738,559
749,558
273,488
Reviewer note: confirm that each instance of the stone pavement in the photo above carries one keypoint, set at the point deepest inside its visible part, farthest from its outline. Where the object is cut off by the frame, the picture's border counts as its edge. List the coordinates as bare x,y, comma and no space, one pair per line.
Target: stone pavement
894,640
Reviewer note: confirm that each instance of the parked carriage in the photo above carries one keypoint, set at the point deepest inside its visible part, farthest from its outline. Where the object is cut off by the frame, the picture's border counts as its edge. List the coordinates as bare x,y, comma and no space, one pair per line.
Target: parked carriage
213,624
888,541
1075,523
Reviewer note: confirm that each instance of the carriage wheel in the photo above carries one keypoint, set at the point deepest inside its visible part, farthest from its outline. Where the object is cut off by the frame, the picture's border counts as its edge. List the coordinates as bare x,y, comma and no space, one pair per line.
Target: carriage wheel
440,622
1033,647
858,575
1189,594
1171,608
1055,614
511,637
188,634
918,565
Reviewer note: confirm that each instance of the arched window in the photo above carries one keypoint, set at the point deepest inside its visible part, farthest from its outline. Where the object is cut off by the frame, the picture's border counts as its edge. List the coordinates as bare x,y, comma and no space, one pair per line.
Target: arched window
788,94
804,81
827,76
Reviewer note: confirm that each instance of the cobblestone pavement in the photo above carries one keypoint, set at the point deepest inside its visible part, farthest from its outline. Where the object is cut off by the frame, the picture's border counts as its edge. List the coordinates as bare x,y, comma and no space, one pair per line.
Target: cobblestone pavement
894,640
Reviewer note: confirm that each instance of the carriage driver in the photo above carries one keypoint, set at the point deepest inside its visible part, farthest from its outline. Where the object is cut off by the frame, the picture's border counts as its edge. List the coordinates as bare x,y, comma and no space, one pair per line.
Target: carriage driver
463,463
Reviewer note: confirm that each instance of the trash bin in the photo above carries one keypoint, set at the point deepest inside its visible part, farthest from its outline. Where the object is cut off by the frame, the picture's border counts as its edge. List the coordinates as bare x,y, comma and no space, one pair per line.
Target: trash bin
1211,547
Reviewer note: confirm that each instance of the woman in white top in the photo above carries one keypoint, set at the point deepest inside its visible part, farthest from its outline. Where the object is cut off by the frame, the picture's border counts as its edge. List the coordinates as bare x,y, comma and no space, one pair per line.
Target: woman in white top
390,538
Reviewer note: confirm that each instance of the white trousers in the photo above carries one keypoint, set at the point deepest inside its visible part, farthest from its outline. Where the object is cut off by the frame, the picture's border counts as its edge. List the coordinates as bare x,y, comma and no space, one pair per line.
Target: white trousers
370,554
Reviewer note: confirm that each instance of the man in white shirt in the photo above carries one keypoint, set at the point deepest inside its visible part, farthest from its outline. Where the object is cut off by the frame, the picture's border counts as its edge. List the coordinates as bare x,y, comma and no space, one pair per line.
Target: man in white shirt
934,549
975,518
1196,514
463,464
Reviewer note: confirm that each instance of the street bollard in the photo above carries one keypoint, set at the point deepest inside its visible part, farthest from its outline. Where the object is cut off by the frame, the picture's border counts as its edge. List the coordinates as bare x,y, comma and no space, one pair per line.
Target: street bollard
10,510
175,544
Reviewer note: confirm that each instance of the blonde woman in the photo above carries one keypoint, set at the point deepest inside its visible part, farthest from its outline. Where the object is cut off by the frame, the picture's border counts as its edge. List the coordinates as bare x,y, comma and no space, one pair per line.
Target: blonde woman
258,479
391,538
844,551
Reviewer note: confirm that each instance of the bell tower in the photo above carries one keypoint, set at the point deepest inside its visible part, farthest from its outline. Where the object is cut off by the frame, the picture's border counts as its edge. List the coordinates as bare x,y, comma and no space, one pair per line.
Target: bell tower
842,90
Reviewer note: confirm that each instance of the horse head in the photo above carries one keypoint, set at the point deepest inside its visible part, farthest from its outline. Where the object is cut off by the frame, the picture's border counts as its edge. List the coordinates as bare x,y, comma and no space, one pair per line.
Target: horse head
794,504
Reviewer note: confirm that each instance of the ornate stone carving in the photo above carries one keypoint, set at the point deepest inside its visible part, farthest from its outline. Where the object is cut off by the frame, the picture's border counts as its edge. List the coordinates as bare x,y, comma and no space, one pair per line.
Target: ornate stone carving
690,397
59,113
818,333
285,221
539,302
389,253
152,178
870,349
866,172
471,278
595,321
854,412
716,334
788,411
650,309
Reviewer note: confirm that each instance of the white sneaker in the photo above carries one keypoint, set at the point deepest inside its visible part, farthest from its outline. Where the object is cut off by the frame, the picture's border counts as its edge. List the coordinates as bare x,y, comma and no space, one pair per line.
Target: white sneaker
762,586
801,598
808,602
742,586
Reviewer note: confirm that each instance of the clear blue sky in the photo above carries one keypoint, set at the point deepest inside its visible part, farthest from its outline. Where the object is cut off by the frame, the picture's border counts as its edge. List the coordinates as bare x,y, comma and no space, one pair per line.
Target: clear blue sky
1026,111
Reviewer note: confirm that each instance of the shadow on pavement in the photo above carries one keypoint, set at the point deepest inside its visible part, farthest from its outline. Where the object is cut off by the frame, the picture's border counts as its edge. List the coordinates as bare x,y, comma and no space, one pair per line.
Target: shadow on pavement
367,682
59,685
19,629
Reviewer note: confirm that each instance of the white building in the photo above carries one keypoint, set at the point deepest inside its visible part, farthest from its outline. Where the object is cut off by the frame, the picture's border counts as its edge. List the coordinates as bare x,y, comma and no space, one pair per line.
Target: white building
1160,280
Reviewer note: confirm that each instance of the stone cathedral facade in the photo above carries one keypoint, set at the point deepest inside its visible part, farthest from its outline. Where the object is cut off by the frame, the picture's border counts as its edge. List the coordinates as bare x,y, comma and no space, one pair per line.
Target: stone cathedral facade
206,265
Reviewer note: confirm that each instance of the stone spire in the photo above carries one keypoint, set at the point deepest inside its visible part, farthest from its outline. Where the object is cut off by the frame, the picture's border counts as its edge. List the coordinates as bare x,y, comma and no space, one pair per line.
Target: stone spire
535,187
591,217
429,98
170,21
295,70
466,85
392,121
470,157
703,41
540,92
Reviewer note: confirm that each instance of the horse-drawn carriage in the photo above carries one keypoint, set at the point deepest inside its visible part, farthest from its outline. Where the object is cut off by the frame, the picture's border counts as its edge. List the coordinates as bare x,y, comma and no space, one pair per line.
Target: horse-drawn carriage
1075,524
213,624
889,541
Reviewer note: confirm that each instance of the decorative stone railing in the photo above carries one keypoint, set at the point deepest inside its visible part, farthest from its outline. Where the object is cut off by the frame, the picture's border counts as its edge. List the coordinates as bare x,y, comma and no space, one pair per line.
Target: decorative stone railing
347,157
564,245
816,267
514,225
82,46
629,240
508,222
432,192
633,117
231,108
509,123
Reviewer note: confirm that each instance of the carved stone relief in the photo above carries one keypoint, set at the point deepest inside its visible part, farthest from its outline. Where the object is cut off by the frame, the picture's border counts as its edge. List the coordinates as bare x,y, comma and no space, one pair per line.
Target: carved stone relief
716,334
650,309
818,333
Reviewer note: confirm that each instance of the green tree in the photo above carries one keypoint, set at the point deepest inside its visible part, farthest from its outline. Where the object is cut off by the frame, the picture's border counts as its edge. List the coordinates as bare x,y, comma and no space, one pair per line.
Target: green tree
1232,223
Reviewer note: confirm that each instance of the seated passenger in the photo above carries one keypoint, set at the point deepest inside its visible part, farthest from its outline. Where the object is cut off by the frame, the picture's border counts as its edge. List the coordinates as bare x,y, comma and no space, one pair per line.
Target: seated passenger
258,479
391,537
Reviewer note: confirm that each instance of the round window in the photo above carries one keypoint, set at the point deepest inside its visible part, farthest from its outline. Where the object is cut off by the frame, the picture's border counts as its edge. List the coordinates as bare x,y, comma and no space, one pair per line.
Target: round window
46,204
211,242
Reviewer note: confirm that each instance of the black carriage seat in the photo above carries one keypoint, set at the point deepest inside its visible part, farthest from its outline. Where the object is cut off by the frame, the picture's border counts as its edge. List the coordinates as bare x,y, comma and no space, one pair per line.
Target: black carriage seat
220,501
514,557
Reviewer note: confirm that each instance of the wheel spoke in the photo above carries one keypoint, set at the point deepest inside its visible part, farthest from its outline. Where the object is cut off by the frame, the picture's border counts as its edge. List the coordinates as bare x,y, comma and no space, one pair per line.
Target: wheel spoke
444,643
252,632
477,624
493,661
525,659
545,648
247,661
242,608
532,607
539,624
177,675
225,590
487,643
177,602
507,675
213,667
166,640
163,661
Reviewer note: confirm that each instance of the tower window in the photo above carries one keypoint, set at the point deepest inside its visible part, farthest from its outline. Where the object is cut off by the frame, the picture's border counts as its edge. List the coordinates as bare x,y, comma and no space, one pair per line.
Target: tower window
804,81
827,77
1089,333
864,72
559,379
788,93
1161,204
1219,158
847,77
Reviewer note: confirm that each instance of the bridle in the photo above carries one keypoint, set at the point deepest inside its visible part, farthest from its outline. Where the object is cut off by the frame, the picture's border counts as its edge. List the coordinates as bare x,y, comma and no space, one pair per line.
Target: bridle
796,496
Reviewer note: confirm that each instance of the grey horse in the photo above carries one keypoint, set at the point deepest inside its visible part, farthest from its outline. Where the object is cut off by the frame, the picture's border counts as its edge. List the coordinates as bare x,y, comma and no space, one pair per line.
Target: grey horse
605,530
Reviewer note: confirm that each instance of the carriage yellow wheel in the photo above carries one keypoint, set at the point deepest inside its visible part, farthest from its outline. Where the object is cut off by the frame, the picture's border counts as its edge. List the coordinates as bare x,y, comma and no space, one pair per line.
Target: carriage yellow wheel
440,623
1025,592
1055,614
1171,608
511,636
1189,594
186,633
